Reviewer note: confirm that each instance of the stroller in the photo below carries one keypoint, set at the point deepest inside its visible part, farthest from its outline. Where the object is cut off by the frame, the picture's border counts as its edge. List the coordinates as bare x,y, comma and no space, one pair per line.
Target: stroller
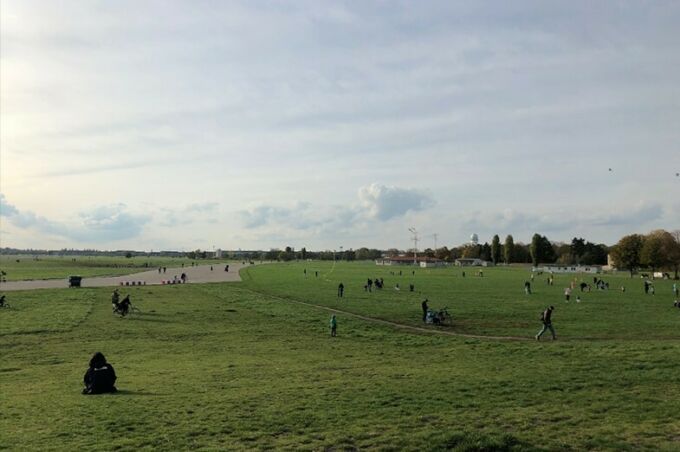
124,307
441,317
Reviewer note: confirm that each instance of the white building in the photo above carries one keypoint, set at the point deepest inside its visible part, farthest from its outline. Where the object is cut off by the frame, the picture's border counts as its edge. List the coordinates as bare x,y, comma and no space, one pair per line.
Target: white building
571,268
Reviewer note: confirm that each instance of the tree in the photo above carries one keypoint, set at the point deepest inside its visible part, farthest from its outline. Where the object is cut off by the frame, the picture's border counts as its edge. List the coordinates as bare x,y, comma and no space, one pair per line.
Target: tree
442,253
675,252
578,248
303,253
472,251
541,250
626,253
496,249
485,252
508,249
659,250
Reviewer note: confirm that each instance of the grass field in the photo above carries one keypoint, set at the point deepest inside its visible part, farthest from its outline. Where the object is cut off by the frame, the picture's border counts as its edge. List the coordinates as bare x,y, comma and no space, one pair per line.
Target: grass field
18,267
246,366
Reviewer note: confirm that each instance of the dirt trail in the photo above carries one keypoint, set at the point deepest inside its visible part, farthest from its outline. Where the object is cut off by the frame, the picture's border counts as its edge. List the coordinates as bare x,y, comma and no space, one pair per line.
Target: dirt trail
401,326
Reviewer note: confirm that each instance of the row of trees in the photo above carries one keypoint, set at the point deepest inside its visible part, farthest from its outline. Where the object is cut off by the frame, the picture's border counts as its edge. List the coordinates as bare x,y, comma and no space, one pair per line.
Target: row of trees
540,250
657,250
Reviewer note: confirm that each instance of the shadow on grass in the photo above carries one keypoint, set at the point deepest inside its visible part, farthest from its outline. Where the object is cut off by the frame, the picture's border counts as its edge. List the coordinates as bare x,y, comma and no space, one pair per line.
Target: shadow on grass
129,392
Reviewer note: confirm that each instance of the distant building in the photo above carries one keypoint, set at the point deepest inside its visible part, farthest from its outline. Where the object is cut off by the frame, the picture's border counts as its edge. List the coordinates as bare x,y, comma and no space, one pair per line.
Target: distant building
472,262
423,261
571,268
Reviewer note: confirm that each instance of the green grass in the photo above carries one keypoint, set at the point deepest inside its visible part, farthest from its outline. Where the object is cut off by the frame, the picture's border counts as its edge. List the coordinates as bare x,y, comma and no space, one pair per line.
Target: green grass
238,367
20,268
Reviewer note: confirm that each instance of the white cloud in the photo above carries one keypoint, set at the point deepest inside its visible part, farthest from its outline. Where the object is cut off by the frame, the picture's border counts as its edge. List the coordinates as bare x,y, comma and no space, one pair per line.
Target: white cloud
384,203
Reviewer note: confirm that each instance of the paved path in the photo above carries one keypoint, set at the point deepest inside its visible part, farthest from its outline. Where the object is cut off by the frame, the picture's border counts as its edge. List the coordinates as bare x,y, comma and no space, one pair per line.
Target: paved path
197,274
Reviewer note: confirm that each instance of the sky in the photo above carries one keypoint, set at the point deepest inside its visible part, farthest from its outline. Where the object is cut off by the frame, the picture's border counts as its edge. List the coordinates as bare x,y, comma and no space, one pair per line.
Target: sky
187,125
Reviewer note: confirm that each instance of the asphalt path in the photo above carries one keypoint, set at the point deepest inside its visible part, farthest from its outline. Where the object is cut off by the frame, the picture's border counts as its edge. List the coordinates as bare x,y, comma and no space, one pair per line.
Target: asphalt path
196,274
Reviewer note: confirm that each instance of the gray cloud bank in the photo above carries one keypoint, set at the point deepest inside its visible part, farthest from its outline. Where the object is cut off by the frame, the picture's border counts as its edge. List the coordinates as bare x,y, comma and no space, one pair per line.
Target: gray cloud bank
376,203
104,223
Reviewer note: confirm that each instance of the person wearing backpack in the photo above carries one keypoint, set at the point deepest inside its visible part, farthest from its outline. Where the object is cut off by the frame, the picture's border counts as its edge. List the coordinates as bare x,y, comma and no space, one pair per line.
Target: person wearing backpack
546,318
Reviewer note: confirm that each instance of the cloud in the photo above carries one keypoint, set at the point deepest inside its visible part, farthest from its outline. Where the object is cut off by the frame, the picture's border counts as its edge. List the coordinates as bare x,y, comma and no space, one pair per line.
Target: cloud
6,209
375,203
110,222
384,202
639,214
101,224
300,216
189,214
571,219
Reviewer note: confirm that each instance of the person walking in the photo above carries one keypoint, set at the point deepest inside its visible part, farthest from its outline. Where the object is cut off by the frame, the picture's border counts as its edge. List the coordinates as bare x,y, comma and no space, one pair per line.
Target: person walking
334,326
341,290
546,318
567,294
425,309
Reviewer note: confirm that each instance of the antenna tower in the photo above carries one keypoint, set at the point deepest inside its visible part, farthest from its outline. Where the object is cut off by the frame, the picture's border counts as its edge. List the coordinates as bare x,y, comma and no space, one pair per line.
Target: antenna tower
415,244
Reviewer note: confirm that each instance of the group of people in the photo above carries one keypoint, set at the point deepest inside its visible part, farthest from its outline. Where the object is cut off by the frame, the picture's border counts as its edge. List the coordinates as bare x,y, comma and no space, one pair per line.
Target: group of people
379,283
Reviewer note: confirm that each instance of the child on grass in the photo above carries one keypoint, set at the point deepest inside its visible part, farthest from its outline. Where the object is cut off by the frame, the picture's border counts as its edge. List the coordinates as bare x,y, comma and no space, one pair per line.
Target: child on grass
334,326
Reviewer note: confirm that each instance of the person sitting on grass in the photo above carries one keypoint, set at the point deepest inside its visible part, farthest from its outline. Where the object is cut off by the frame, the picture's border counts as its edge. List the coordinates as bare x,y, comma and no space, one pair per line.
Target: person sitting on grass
100,376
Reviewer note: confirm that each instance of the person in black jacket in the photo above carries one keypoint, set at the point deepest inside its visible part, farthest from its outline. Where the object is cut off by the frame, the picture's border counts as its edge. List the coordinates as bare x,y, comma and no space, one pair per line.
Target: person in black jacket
100,376
425,308
546,318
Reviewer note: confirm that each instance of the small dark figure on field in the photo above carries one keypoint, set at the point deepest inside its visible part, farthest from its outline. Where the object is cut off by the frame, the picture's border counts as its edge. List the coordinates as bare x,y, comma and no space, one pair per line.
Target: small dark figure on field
675,289
341,290
2,301
165,269
425,308
399,272
463,274
413,272
100,376
183,277
676,303
411,287
226,268
546,318
646,286
369,284
334,326
397,287
304,272
583,286
567,294
211,269
115,297
122,308
527,287
160,269
316,274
